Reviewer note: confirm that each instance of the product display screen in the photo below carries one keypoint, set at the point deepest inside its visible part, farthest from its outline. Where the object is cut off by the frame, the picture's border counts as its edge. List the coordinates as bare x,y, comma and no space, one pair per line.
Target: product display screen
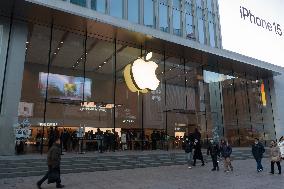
254,28
65,87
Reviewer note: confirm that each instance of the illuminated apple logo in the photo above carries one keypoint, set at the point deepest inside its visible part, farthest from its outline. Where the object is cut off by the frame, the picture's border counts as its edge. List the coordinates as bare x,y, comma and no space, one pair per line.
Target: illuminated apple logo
140,75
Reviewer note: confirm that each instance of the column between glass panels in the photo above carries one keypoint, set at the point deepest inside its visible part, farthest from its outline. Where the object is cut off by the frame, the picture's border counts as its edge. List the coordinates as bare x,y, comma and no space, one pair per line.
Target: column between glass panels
221,102
165,99
261,109
47,80
249,105
236,109
205,108
6,57
114,75
271,104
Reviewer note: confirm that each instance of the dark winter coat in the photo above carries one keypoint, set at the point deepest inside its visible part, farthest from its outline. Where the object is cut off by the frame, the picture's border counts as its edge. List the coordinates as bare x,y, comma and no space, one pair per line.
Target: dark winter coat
226,150
213,150
188,147
54,156
197,151
257,150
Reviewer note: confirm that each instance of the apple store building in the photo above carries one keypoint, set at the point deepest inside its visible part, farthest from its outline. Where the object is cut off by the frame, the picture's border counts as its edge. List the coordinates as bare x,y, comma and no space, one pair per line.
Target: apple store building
145,70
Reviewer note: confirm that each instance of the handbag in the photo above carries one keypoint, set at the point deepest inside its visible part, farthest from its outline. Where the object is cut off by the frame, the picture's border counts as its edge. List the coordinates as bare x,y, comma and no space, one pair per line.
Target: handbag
53,175
275,159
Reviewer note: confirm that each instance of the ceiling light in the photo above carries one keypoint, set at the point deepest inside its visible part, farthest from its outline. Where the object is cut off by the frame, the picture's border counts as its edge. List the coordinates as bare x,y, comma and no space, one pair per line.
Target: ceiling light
61,42
162,72
170,69
104,62
54,53
27,42
58,48
100,66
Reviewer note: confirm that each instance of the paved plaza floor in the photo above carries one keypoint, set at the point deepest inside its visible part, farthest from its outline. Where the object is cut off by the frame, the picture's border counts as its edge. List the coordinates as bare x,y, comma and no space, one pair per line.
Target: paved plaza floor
244,176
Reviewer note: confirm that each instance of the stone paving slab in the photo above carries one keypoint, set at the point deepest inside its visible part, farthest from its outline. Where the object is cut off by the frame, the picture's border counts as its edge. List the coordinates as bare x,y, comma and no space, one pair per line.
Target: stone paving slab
170,177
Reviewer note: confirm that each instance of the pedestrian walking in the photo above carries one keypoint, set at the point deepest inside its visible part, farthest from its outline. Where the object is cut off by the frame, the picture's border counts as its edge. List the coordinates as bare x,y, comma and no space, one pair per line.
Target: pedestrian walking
197,152
257,152
214,151
226,151
188,150
281,146
275,157
53,162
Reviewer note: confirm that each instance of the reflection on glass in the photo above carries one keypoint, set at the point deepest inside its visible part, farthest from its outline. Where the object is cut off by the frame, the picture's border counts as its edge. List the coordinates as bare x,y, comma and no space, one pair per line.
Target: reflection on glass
189,27
176,22
188,7
149,13
79,2
176,3
116,8
201,31
209,5
163,17
98,5
133,10
212,35
199,3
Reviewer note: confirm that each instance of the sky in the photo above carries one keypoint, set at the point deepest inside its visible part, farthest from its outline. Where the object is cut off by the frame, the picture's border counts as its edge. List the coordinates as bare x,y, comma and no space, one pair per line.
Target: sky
244,37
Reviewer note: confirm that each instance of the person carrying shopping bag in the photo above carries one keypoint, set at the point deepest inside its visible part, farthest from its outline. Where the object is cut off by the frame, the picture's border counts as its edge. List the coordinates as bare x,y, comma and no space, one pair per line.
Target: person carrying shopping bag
275,157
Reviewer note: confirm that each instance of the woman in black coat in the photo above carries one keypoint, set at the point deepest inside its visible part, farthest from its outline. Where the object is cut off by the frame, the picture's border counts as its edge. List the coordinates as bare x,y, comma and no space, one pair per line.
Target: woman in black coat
197,152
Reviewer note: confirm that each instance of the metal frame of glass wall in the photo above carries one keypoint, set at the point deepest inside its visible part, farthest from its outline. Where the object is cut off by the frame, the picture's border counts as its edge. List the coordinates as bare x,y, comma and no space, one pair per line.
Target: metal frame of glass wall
170,16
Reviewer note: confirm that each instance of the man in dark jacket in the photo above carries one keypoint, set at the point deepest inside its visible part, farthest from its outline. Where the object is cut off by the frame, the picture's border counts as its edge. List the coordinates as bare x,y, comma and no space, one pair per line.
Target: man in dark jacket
53,162
214,150
257,152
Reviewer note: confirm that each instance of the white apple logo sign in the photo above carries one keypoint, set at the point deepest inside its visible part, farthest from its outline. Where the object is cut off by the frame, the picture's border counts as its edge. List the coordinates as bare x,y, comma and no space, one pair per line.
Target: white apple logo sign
140,75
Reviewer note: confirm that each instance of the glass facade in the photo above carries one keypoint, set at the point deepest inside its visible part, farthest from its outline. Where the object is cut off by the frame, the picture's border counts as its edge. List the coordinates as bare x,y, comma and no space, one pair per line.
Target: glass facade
116,8
98,5
133,10
163,15
76,82
190,19
149,13
177,17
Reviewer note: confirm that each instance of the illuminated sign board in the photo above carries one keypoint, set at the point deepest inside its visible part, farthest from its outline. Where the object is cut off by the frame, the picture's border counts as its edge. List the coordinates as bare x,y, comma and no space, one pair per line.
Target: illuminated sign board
254,28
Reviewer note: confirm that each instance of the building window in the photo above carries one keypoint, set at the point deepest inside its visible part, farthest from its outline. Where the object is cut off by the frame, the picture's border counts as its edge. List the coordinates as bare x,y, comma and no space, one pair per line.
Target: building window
199,3
200,22
189,26
149,13
209,5
133,11
177,17
116,8
79,2
212,35
99,5
163,16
